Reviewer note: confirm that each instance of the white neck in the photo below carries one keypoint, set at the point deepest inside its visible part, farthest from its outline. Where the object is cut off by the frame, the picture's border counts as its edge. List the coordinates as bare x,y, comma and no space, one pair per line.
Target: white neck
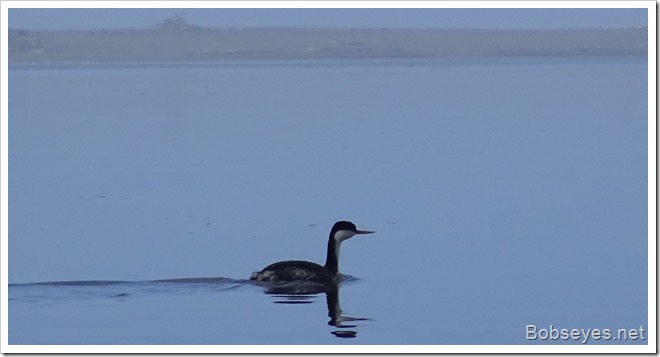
339,237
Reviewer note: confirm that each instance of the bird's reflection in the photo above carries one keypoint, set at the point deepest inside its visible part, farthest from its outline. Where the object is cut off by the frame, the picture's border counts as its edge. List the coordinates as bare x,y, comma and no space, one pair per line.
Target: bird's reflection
303,293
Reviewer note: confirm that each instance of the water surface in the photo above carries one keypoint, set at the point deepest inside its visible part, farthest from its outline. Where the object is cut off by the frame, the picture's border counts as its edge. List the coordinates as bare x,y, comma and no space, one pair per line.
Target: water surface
504,193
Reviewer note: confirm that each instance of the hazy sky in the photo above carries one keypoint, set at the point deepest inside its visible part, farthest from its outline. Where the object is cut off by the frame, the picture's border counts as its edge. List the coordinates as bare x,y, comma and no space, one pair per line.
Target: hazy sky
59,19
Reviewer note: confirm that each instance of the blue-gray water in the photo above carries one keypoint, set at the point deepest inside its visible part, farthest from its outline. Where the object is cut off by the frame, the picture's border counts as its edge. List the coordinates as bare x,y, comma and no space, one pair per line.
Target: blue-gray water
505,192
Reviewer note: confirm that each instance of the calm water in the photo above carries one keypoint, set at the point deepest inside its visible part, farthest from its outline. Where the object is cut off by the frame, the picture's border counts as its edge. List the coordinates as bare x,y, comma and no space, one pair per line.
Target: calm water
504,193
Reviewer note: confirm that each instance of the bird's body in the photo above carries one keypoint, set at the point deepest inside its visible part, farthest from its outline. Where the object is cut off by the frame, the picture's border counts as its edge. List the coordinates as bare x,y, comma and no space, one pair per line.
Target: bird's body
292,270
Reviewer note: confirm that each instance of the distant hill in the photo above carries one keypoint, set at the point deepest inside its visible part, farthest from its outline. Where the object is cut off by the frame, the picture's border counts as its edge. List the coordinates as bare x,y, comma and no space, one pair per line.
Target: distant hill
175,40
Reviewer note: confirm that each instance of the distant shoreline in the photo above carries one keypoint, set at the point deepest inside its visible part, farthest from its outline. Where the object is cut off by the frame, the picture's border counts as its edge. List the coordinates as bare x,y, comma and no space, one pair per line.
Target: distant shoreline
198,44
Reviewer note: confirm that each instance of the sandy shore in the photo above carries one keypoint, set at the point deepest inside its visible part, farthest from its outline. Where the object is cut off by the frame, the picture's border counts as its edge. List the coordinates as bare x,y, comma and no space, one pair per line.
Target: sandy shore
218,44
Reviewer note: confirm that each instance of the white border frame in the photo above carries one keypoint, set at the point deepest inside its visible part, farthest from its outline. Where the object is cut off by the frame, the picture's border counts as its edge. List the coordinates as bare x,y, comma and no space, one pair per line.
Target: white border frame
540,348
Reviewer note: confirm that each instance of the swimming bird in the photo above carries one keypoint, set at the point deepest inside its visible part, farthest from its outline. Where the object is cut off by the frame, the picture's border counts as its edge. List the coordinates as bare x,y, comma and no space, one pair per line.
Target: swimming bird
292,270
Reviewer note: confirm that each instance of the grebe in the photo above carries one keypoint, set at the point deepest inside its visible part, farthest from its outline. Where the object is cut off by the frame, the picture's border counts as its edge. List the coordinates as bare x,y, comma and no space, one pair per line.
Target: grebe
302,270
